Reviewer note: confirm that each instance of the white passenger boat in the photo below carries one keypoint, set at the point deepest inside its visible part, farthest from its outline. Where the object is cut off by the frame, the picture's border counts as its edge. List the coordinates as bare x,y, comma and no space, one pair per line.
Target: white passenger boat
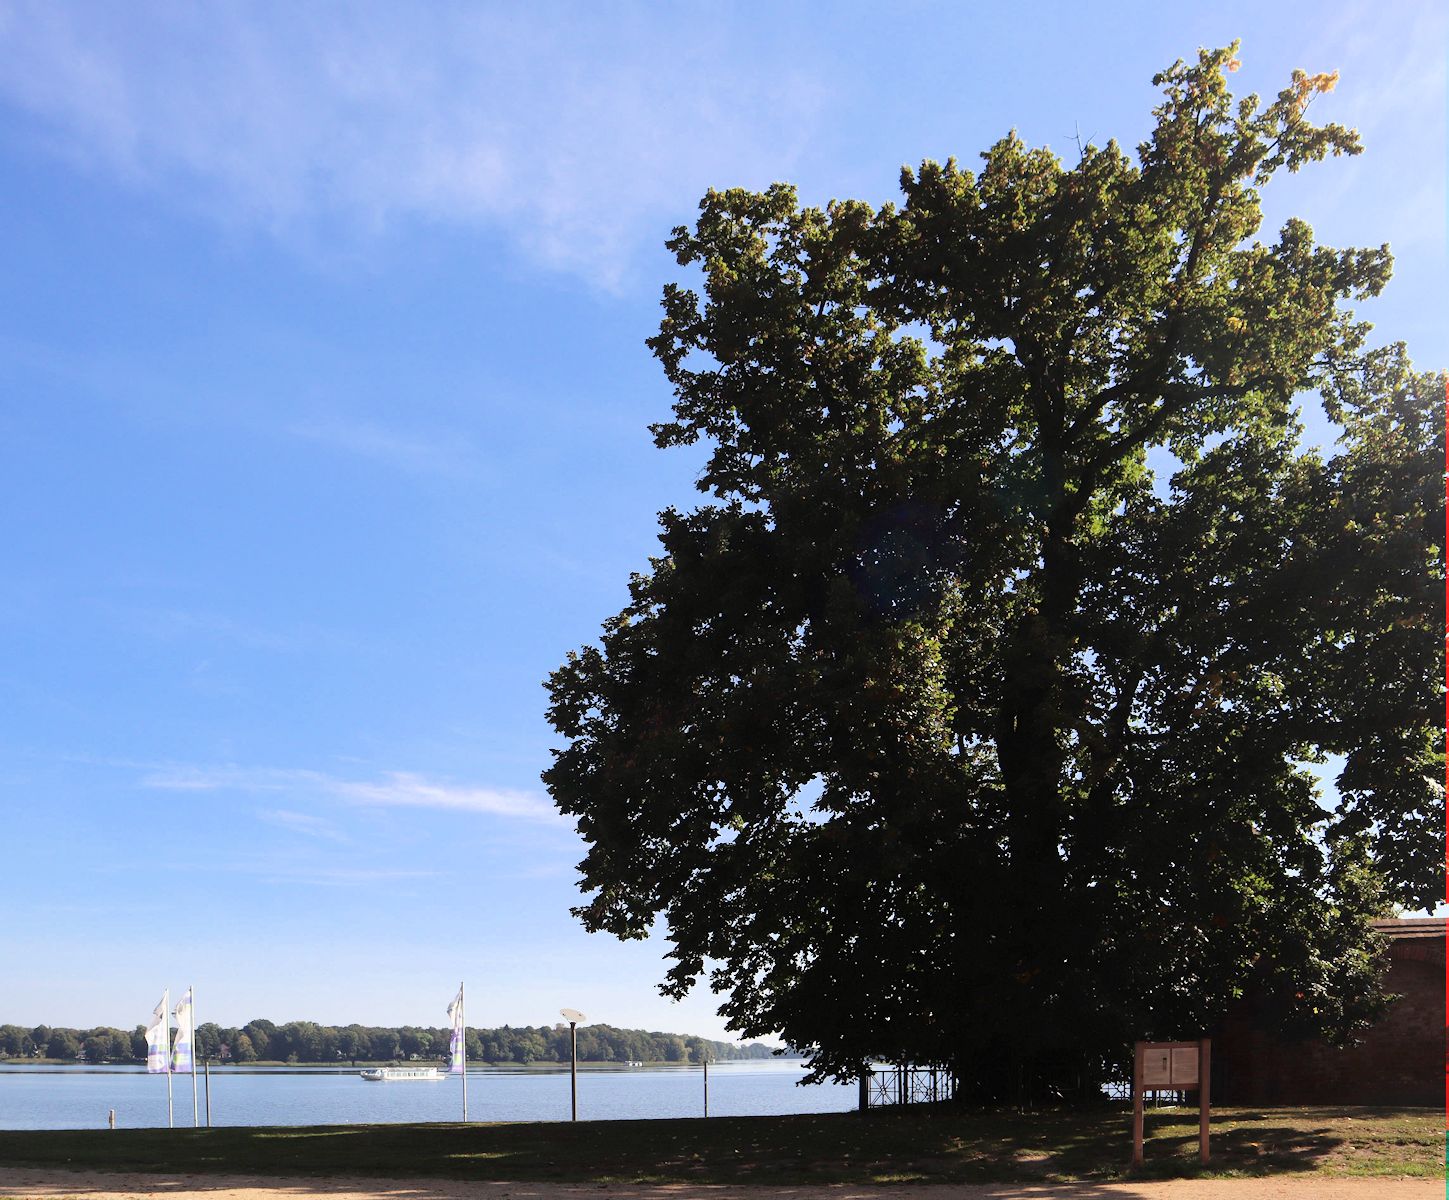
388,1074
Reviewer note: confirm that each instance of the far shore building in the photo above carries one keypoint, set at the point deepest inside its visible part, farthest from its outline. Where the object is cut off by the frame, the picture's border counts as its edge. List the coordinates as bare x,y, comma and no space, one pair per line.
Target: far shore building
1399,1061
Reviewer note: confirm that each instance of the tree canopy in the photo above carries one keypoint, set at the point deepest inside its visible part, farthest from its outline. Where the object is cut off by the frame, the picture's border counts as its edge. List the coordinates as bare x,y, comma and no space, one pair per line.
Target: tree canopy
973,720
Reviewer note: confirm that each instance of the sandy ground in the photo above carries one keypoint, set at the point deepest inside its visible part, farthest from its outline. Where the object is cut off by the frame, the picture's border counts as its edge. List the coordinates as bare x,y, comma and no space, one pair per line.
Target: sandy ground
19,1182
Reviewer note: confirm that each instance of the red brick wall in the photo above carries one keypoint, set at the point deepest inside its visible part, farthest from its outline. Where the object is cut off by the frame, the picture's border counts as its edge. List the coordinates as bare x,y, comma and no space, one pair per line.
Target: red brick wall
1400,1061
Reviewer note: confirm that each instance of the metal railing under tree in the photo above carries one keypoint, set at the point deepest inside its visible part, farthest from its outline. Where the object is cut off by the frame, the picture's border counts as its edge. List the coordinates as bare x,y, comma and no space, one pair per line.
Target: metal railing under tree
902,1084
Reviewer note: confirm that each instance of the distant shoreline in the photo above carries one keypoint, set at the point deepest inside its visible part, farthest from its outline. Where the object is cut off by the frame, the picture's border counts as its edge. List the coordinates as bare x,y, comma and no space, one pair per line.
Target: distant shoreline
308,1043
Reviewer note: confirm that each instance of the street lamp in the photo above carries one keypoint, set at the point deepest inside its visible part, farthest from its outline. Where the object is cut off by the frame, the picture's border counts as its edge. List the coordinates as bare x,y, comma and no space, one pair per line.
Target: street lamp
573,1017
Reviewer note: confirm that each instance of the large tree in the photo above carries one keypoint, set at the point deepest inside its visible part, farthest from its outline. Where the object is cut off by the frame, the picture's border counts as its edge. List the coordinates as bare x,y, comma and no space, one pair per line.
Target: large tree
974,721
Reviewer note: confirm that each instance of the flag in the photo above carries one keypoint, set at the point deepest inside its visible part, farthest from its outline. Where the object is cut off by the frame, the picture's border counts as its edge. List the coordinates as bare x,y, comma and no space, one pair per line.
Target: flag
456,1045
181,1056
158,1037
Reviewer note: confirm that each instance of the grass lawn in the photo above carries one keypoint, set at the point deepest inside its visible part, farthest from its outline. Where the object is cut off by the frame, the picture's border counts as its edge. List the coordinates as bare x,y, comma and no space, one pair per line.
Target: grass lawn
936,1145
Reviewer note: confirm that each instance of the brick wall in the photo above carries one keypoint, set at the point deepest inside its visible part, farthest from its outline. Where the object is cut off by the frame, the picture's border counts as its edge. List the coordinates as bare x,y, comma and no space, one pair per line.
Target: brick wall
1400,1061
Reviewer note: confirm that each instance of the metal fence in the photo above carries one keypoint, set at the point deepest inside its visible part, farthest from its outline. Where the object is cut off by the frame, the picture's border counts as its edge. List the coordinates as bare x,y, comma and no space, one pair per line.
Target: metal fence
906,1085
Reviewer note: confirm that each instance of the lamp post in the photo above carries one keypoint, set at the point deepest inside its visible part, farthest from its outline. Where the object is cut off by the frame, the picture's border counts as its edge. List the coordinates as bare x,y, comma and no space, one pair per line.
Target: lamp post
573,1017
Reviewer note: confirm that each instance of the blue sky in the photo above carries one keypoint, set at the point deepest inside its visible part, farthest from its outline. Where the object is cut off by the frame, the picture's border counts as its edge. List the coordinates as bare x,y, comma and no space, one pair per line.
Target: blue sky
323,398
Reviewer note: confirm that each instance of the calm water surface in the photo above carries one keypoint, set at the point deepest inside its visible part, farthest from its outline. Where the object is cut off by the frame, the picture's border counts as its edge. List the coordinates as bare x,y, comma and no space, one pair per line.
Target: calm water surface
80,1097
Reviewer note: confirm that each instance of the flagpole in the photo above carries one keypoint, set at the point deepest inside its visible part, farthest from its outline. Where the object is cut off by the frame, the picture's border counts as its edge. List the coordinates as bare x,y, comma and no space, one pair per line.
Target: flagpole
191,1013
463,1045
166,1025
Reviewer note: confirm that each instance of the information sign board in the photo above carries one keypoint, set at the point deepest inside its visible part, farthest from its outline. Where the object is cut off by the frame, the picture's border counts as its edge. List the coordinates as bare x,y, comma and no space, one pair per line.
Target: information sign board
1171,1067
1156,1067
1184,1067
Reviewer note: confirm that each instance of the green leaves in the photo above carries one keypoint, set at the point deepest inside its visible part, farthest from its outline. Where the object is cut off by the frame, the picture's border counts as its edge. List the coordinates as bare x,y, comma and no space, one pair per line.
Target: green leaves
948,704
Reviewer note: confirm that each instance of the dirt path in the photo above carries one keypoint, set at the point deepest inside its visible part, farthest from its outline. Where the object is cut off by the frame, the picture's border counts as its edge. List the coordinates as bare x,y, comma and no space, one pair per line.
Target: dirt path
19,1182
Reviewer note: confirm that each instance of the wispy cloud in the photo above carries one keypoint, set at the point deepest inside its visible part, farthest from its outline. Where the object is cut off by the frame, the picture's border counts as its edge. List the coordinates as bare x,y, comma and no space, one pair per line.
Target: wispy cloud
1392,92
303,823
403,790
394,789
325,876
206,627
177,624
312,867
577,138
402,451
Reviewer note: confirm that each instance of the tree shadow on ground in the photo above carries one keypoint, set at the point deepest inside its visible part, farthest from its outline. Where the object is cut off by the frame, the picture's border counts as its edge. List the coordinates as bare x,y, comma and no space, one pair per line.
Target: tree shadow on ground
847,1151
56,1186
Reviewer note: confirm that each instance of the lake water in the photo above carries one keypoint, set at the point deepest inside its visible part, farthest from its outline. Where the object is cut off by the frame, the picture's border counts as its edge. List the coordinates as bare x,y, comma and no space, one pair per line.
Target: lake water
81,1097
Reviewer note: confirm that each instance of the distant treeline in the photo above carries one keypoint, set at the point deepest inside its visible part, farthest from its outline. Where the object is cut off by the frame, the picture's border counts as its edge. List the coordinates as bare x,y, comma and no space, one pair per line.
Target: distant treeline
308,1042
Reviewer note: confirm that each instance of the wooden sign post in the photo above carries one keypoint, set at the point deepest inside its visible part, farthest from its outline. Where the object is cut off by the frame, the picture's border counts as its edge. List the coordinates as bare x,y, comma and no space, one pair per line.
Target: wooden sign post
1172,1067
